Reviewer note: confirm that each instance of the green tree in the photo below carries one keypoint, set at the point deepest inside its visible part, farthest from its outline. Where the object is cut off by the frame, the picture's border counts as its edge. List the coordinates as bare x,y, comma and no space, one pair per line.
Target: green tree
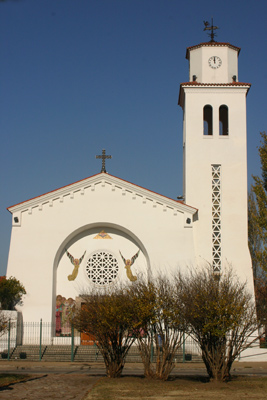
257,232
11,293
258,257
110,317
220,316
255,238
257,220
261,301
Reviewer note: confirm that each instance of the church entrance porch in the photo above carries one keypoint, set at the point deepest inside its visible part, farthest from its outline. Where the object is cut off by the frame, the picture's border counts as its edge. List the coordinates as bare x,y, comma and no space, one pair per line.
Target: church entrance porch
93,258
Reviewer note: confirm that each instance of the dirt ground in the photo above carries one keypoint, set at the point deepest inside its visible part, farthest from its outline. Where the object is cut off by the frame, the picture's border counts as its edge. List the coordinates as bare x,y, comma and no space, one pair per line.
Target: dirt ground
78,381
182,388
21,365
48,387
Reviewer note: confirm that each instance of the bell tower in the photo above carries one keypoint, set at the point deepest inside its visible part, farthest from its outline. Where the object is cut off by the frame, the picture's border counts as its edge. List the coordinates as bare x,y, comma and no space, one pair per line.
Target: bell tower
215,155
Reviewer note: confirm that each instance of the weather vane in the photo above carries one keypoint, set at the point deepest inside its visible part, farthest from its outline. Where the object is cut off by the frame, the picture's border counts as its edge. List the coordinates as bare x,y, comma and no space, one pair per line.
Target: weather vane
211,28
103,156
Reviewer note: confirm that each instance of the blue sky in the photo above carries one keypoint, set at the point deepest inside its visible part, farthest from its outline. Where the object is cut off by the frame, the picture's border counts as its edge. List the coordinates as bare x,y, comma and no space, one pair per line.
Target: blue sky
77,76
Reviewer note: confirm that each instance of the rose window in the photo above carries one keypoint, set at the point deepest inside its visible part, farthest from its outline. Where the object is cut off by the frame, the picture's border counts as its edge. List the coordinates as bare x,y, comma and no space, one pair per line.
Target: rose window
102,268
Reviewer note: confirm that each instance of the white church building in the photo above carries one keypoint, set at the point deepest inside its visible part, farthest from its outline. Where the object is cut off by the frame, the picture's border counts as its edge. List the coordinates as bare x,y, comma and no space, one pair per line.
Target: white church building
103,229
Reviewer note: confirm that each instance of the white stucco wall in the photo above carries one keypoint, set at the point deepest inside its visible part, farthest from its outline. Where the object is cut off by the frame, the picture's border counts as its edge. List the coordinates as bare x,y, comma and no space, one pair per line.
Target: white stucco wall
199,64
135,218
230,152
71,218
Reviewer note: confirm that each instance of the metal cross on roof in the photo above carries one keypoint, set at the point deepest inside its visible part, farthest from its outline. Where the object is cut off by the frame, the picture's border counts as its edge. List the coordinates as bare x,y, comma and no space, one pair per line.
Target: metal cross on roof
211,28
104,157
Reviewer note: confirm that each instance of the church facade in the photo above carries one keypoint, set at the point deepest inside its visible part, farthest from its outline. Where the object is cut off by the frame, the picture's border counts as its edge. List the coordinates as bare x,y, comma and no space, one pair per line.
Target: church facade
103,230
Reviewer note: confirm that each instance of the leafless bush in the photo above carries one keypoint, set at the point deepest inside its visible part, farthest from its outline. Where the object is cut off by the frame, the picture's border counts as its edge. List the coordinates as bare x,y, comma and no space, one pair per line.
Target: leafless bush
220,316
110,317
158,312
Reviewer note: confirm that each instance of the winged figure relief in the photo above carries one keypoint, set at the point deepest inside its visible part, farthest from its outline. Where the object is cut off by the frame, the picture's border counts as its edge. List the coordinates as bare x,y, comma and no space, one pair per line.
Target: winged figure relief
127,265
76,262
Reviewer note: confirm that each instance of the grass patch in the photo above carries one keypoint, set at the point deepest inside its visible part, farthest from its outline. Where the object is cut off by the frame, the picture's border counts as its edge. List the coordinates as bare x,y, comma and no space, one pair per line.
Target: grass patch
185,388
8,379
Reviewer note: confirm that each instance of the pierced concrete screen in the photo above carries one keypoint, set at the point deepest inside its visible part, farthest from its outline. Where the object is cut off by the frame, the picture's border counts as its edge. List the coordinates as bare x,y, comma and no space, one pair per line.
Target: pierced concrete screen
102,268
216,218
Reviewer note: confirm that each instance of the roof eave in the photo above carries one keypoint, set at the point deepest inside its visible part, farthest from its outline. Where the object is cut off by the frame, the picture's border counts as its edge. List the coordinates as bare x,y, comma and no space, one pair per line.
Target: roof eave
44,198
211,44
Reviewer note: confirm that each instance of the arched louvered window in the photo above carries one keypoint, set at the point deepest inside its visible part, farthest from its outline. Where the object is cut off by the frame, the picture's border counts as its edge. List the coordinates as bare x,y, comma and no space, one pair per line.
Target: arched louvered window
223,119
207,120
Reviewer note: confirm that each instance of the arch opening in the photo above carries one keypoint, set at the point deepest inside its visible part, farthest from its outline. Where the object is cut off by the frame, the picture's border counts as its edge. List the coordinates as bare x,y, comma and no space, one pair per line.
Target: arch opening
207,120
89,244
223,121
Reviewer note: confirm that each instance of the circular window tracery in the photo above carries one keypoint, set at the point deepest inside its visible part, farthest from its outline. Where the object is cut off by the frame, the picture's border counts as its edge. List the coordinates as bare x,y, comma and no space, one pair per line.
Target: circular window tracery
102,268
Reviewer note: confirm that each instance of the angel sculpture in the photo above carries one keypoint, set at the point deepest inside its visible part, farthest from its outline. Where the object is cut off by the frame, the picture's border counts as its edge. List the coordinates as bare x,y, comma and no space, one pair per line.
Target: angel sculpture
76,262
128,264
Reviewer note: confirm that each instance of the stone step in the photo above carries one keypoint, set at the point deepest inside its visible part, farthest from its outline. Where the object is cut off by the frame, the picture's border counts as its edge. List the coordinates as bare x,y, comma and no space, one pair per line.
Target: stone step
58,353
88,354
27,352
83,354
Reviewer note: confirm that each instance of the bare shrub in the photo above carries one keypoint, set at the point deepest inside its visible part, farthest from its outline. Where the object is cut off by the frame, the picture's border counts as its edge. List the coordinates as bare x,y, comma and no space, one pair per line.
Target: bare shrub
158,312
220,316
109,316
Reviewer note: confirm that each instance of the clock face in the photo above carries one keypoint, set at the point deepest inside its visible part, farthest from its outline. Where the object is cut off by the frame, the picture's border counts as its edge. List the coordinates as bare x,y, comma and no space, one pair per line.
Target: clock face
215,62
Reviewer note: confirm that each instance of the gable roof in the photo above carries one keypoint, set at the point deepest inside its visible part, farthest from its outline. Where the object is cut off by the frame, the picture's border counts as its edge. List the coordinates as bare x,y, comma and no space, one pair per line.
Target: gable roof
93,180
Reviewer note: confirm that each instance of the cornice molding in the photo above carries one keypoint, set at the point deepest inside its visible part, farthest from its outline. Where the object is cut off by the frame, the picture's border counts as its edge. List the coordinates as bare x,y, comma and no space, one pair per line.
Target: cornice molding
103,179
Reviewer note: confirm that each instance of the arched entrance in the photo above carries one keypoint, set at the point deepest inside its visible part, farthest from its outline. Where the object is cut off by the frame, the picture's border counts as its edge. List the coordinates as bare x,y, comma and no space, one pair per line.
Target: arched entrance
94,256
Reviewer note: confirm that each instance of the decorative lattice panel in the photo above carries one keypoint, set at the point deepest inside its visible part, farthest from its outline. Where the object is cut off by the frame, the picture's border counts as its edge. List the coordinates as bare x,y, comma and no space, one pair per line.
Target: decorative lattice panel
216,218
102,268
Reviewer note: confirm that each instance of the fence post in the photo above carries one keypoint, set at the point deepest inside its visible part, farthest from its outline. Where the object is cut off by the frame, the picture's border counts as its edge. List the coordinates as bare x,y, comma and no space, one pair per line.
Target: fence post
183,347
40,348
8,343
72,343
